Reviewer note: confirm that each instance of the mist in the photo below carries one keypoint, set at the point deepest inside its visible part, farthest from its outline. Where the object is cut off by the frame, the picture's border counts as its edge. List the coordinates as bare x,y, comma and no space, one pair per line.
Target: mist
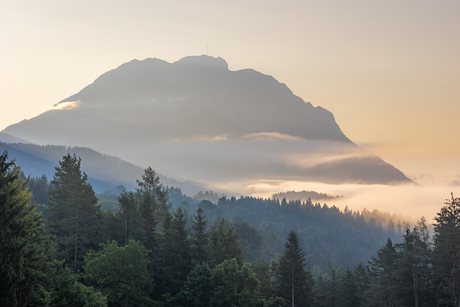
409,201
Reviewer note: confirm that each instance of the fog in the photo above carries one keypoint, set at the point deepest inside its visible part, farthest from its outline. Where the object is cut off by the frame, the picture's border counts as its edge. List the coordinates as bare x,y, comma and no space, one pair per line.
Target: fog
410,201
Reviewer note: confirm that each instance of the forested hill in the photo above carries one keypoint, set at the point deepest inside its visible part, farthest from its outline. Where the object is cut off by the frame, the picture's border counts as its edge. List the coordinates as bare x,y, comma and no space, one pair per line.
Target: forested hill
156,247
329,236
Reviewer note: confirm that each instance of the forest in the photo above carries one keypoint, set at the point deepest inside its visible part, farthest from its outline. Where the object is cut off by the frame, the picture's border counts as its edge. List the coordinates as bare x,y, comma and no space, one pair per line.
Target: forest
63,245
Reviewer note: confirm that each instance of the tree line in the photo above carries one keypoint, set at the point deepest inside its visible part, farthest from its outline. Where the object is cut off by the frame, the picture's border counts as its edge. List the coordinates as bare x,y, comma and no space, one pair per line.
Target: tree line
150,254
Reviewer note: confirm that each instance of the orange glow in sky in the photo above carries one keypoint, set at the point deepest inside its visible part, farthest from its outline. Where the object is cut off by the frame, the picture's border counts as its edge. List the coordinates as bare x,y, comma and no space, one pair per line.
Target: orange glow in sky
389,71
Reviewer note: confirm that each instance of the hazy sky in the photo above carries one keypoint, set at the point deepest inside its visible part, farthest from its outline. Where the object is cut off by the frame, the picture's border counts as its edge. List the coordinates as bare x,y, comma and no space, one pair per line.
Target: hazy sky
388,70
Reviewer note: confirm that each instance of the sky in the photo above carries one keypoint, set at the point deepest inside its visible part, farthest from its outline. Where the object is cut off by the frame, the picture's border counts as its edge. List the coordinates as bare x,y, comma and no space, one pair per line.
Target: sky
389,71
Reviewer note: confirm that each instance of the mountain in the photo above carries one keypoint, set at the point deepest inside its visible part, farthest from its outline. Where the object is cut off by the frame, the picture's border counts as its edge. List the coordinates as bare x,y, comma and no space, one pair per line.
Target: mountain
197,119
6,138
104,172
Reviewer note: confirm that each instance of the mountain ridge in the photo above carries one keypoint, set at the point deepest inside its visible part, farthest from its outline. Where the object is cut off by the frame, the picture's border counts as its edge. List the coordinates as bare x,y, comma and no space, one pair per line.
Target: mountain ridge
187,116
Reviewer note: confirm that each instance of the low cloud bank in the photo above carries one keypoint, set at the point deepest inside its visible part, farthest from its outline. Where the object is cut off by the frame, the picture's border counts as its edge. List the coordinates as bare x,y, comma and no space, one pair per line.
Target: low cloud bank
408,200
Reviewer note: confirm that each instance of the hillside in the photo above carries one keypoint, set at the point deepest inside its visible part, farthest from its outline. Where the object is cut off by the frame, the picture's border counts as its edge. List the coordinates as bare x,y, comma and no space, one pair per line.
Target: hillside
104,172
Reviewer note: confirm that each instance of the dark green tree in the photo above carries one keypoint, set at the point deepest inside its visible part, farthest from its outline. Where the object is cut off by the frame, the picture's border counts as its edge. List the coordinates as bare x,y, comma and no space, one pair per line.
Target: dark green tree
383,273
333,288
153,206
320,292
128,213
251,239
121,273
223,243
22,245
65,289
198,287
348,290
414,267
74,218
362,283
199,237
40,189
446,254
234,285
175,256
295,284
265,276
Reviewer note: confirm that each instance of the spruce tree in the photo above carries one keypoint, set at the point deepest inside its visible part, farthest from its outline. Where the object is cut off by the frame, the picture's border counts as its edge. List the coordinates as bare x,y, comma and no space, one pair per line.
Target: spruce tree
129,215
74,217
223,244
199,237
153,207
348,290
23,247
383,272
446,252
295,284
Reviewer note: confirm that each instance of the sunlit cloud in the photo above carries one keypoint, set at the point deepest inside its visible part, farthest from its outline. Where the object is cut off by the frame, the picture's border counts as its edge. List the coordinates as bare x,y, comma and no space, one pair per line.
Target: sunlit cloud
67,105
309,160
272,136
202,139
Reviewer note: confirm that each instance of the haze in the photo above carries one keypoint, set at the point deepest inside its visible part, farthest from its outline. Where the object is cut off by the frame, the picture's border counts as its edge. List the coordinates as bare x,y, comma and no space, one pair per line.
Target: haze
388,71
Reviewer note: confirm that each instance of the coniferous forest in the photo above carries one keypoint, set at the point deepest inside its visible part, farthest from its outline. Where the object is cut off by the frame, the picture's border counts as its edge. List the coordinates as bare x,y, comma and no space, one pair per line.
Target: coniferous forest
63,245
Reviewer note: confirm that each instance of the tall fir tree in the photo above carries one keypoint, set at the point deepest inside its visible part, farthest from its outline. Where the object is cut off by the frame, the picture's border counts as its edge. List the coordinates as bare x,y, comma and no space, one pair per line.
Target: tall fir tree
383,272
199,237
414,267
295,284
223,244
23,248
446,252
153,206
128,213
348,290
74,217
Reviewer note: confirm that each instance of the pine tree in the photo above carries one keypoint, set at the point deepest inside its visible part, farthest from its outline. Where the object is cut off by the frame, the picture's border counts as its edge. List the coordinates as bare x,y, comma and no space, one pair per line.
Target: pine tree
223,244
174,261
23,247
348,290
295,284
383,273
74,217
153,207
129,215
446,252
363,284
414,267
199,237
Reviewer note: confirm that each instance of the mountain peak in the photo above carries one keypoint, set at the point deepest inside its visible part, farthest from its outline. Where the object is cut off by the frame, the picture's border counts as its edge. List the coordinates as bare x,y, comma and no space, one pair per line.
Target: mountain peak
203,60
197,119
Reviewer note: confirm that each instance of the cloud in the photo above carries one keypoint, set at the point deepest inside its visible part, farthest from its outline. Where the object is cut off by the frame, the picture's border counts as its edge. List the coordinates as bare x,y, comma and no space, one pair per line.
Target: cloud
408,200
272,136
202,139
67,105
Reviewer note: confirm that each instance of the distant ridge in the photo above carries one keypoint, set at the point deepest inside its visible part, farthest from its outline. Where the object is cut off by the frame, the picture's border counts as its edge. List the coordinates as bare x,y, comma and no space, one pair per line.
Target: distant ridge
104,172
197,119
6,138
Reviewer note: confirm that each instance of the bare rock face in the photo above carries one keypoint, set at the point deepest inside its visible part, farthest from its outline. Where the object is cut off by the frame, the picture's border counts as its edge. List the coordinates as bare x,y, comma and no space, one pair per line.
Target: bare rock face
197,119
